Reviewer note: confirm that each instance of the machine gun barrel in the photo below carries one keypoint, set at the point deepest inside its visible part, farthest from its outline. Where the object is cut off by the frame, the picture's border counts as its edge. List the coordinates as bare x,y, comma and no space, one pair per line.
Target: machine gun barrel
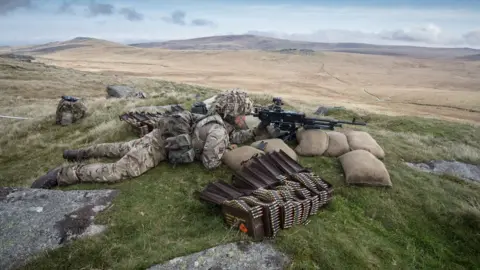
334,121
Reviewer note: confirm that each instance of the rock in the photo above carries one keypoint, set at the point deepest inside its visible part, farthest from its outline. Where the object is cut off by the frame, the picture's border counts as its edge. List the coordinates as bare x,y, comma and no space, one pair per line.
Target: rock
322,110
233,256
462,170
156,109
18,57
36,220
122,91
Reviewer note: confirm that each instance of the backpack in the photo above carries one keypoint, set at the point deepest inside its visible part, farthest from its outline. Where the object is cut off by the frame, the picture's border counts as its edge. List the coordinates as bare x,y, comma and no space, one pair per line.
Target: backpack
174,123
70,110
179,149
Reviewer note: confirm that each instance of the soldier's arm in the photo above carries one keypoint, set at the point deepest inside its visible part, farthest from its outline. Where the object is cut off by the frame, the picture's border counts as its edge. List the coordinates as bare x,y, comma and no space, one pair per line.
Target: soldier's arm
242,136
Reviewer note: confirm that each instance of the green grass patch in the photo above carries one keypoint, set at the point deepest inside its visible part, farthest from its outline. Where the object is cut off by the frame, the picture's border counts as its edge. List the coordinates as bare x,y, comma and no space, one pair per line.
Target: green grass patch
423,221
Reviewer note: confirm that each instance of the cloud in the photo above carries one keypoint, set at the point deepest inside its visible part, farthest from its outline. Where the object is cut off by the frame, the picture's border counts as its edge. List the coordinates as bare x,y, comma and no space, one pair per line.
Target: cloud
178,17
202,22
66,7
96,9
7,6
131,14
472,38
429,33
424,35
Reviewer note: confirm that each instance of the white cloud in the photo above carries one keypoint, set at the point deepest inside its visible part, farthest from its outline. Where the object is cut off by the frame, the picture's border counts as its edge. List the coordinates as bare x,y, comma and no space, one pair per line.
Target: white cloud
312,23
422,35
472,38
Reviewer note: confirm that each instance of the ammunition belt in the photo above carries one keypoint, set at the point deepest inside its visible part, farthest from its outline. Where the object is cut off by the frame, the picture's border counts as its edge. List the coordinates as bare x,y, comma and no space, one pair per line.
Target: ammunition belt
271,192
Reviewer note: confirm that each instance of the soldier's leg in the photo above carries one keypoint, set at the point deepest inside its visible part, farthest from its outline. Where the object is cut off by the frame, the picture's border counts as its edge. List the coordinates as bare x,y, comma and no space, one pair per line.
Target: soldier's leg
147,153
109,150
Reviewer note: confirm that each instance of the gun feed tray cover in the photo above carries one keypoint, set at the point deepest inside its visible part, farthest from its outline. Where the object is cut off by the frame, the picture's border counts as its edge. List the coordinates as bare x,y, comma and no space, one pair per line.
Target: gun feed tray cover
271,193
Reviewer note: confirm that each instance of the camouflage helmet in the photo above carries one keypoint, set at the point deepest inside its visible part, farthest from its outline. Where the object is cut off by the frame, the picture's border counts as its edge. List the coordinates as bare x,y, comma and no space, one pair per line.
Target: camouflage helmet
70,110
233,103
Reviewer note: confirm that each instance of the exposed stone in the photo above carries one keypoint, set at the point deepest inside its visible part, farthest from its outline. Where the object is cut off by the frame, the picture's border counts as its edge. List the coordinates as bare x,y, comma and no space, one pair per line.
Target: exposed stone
323,110
123,91
241,255
462,170
37,220
18,57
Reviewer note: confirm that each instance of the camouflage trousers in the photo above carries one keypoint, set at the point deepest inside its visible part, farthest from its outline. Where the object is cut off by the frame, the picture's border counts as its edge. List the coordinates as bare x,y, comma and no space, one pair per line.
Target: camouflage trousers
136,157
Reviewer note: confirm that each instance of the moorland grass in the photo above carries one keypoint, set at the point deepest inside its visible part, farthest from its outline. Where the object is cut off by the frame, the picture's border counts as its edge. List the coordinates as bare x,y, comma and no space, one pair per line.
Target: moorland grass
423,221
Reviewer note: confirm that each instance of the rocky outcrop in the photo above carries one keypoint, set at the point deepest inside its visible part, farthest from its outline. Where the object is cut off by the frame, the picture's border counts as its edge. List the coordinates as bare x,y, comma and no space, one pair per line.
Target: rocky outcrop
454,168
234,256
122,91
37,220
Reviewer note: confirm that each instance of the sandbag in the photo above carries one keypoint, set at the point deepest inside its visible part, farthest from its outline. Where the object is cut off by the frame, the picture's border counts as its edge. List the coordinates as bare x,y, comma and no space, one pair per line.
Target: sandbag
313,142
362,140
299,133
363,168
337,144
275,145
234,158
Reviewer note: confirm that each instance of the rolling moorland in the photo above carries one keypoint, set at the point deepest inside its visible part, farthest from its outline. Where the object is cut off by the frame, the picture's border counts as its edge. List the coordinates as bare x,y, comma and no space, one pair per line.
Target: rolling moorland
445,87
423,221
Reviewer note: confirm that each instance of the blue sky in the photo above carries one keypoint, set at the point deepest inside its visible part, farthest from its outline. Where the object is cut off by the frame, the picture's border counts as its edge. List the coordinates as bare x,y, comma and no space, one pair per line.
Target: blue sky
422,22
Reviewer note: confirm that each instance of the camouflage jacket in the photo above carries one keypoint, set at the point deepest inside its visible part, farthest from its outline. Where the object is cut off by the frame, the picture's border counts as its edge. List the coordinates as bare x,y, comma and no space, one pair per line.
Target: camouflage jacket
210,140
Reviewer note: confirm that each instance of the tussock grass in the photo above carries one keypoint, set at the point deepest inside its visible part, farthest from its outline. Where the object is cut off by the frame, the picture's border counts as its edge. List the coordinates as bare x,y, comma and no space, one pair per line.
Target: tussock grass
424,221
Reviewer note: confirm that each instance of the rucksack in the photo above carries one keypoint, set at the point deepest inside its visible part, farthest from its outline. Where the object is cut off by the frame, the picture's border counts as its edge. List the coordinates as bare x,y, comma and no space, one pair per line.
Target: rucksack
70,110
179,149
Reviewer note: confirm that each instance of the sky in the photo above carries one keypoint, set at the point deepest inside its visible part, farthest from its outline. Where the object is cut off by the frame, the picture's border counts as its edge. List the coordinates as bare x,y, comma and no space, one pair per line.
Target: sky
440,23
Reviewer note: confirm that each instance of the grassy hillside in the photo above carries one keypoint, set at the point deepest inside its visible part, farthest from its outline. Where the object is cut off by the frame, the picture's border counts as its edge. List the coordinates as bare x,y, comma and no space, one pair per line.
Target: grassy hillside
424,221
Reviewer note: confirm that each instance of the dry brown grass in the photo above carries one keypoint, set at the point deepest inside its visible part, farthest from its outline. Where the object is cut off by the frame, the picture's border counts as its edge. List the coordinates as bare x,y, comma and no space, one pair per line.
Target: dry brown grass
384,84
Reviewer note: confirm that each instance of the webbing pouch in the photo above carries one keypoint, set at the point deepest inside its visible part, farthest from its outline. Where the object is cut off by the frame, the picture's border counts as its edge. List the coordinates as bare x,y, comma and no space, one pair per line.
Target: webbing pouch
181,156
182,141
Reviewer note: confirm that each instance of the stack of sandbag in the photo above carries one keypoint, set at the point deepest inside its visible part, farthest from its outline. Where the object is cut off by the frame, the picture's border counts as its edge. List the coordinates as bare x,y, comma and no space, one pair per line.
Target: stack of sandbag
361,140
362,168
358,152
362,165
235,159
275,145
317,142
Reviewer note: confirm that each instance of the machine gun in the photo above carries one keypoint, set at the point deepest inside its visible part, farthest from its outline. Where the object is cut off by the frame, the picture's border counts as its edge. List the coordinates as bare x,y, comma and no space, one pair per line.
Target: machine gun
286,123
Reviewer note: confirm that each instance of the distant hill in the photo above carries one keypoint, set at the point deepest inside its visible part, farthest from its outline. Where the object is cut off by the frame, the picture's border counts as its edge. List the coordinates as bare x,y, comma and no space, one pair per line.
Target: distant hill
474,57
254,42
78,42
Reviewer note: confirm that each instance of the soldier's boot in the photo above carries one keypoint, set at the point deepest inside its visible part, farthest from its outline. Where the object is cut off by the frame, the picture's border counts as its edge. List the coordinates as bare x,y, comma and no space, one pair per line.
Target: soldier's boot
75,155
48,180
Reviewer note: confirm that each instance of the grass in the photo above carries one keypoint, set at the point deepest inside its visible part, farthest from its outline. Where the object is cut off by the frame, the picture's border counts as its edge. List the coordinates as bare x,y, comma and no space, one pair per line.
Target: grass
423,221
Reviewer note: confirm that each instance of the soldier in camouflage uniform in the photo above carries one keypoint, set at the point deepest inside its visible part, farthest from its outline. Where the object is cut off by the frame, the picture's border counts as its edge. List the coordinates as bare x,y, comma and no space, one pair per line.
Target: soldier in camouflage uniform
179,137
207,143
70,110
232,106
